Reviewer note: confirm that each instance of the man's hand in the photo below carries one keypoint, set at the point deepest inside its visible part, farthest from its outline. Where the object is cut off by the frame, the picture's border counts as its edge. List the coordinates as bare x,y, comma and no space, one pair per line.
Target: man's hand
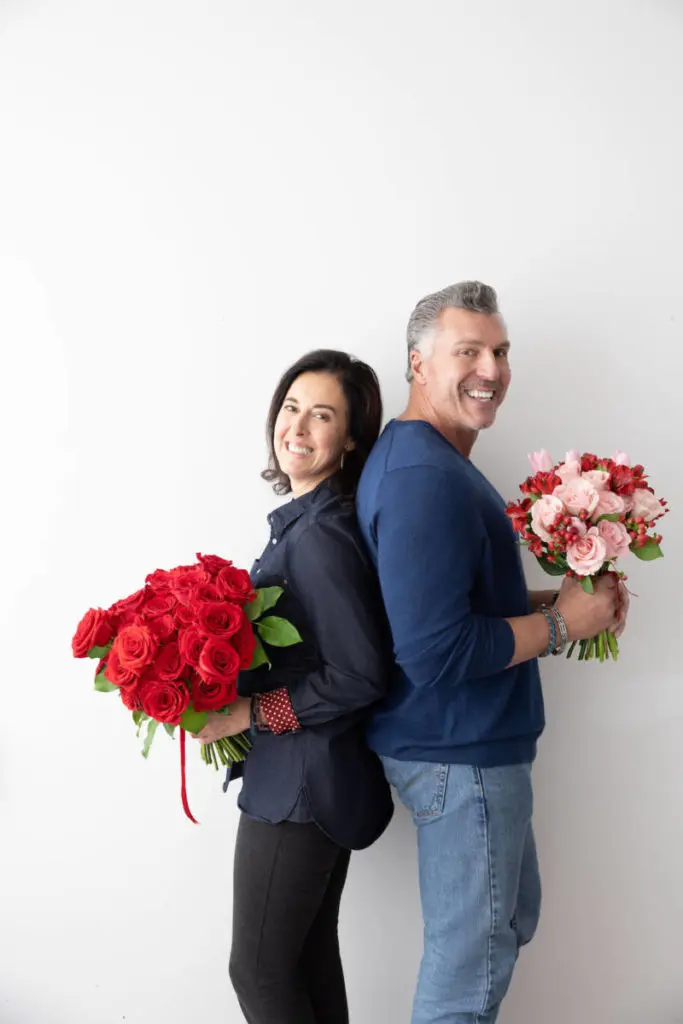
623,606
219,726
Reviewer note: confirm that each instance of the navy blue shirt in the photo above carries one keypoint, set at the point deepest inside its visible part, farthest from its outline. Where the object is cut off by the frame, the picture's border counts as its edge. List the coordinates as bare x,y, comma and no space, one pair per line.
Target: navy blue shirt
342,667
450,573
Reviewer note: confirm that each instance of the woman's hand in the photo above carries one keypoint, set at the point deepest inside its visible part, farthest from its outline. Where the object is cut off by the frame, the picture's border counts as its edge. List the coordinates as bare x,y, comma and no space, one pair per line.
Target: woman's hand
219,726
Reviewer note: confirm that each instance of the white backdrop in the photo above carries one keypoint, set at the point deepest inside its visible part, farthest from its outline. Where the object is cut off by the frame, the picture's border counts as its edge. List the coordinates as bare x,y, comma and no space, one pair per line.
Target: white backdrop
192,194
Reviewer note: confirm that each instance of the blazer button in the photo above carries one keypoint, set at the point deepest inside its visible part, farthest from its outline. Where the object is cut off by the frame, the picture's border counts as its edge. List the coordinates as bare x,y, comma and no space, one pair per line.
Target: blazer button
274,540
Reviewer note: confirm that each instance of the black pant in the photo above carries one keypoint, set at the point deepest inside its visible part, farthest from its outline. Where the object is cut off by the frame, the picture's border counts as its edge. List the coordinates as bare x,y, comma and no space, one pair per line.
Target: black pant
285,965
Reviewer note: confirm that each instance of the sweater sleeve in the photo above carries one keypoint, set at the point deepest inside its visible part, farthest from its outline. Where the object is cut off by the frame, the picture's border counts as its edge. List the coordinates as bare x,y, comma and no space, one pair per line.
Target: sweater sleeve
430,549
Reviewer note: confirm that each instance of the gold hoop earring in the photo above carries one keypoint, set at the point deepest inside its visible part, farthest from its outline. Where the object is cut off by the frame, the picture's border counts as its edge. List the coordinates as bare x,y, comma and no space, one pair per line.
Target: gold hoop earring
341,461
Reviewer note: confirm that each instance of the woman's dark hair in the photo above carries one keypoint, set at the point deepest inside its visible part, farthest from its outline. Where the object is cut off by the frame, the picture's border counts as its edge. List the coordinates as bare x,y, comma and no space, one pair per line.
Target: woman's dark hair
363,398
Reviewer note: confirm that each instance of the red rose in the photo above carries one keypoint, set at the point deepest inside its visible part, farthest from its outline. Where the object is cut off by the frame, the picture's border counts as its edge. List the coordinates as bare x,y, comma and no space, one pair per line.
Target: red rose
125,612
205,593
163,629
212,694
94,630
162,700
184,579
244,642
160,579
135,647
130,696
168,664
116,673
235,585
184,616
157,605
219,619
191,643
212,563
219,660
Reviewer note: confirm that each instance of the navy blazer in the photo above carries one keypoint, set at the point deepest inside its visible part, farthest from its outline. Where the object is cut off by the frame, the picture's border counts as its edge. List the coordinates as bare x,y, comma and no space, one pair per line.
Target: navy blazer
341,668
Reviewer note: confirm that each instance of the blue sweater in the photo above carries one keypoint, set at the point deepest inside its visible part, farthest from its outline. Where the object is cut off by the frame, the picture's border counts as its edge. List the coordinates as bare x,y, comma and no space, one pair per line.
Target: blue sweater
450,572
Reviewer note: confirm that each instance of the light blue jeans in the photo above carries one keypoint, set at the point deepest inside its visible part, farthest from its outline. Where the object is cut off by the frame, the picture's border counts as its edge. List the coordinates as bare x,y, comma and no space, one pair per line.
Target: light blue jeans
479,883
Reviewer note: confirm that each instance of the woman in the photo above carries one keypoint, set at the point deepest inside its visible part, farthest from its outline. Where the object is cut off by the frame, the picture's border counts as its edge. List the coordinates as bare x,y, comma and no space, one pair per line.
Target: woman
312,790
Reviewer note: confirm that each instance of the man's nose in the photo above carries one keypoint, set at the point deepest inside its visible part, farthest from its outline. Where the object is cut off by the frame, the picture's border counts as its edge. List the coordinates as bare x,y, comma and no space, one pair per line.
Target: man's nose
487,366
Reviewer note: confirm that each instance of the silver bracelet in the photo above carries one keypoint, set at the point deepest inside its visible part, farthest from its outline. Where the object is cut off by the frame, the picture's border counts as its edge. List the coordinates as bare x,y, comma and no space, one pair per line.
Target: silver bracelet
552,639
562,626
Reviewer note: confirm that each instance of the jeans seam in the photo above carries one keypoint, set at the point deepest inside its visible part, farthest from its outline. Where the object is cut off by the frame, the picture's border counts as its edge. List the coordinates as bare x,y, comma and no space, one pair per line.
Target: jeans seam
487,836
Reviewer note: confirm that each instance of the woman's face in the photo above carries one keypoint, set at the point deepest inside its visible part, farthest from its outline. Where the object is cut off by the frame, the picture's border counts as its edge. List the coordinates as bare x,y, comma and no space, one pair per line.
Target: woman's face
312,430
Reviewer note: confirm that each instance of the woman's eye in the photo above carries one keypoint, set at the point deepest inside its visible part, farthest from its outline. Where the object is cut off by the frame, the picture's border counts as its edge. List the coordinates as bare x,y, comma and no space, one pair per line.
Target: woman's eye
323,416
288,407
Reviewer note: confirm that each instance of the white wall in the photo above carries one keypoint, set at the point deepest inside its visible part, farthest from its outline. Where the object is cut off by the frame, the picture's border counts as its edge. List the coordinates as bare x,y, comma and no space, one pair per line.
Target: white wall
191,196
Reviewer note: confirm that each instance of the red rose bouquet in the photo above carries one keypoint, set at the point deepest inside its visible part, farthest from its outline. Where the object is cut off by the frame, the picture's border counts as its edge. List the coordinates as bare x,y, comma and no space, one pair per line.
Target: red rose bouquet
173,650
583,517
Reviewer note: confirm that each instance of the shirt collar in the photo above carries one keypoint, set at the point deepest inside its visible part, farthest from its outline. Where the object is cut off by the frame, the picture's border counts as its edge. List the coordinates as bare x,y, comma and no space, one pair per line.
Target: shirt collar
284,515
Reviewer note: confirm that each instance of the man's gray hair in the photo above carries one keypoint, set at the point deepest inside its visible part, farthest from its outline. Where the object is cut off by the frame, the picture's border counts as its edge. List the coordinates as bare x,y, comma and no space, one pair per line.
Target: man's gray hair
424,320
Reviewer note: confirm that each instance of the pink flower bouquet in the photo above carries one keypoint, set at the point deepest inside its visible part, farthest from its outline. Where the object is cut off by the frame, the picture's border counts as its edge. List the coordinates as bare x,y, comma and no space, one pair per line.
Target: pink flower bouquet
582,517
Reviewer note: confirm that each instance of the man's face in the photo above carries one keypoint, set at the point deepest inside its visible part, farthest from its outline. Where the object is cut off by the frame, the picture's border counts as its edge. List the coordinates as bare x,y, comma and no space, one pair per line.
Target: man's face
465,372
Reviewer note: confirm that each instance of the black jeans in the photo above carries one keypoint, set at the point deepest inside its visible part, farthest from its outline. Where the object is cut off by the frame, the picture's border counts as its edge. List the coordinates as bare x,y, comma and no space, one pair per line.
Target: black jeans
285,964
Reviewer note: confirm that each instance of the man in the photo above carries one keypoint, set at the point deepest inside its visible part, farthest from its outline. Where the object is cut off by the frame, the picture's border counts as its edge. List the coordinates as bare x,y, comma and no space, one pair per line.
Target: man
457,734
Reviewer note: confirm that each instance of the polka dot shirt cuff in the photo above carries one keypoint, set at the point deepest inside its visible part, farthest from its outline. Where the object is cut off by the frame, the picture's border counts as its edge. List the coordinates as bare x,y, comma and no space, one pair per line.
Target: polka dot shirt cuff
277,711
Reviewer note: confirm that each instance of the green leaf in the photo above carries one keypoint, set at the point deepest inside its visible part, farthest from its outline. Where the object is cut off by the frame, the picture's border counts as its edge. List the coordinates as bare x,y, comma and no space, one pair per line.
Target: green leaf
99,652
102,684
611,517
265,598
587,585
553,568
170,729
152,727
260,656
278,632
648,552
193,721
139,718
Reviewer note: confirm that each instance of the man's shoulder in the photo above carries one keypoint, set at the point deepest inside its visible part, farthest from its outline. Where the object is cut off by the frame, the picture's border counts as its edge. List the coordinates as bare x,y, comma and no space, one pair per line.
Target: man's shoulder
413,447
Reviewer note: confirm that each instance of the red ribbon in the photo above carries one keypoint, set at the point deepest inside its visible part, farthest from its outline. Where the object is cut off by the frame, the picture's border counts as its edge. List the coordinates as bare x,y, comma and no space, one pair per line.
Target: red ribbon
183,782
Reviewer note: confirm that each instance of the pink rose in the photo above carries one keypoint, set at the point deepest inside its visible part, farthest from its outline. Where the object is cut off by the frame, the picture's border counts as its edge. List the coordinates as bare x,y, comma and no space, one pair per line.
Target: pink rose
645,504
541,462
587,556
543,514
579,526
616,538
578,495
621,458
609,504
570,469
598,477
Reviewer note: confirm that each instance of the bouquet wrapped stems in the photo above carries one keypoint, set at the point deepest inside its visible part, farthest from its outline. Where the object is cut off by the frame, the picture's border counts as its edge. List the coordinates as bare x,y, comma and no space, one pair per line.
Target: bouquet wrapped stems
228,750
603,647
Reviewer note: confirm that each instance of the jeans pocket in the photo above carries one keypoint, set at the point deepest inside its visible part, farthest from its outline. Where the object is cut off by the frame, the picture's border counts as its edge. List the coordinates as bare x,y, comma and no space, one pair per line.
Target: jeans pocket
421,785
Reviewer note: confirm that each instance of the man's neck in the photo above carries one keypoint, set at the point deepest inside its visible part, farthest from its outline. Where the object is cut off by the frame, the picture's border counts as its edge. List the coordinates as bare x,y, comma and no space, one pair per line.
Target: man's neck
460,437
